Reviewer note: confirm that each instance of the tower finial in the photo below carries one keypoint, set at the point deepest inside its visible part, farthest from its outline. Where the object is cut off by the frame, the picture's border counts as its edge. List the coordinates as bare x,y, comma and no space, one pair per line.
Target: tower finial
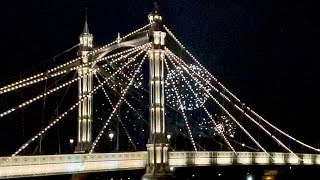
155,6
118,38
86,28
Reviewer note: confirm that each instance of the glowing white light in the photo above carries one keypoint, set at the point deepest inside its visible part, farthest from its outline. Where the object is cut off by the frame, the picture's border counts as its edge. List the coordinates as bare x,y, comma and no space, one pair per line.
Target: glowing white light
224,126
249,177
184,83
111,135
168,137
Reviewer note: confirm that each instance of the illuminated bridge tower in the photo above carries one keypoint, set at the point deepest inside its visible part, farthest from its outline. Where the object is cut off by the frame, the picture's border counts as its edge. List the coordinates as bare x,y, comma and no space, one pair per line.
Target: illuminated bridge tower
157,165
84,138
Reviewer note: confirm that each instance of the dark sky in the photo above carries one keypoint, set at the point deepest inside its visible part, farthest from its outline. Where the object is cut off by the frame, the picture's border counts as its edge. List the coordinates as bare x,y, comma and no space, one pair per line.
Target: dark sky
266,52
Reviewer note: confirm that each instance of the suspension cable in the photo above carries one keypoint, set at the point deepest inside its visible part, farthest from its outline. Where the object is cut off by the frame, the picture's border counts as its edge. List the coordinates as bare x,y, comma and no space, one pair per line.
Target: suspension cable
124,92
56,70
65,113
197,99
182,109
235,97
31,100
121,122
239,109
217,102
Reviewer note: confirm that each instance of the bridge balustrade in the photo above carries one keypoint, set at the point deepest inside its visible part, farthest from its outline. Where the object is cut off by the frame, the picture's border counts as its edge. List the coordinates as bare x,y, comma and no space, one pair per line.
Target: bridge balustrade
260,158
278,158
19,166
308,159
245,158
26,166
180,159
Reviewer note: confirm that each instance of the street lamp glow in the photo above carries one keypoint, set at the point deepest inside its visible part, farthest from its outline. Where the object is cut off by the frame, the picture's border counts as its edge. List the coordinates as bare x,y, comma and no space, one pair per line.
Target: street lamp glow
71,141
111,135
168,137
249,177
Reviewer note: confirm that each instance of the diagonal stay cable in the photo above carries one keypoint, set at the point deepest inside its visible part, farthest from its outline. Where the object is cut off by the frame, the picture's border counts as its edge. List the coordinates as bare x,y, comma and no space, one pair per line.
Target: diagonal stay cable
56,71
197,99
32,77
238,108
124,92
218,103
235,97
121,122
72,61
181,108
31,100
67,111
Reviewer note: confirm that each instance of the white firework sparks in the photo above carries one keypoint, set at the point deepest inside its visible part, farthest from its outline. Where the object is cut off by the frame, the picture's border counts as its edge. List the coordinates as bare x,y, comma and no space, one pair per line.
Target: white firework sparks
225,126
193,96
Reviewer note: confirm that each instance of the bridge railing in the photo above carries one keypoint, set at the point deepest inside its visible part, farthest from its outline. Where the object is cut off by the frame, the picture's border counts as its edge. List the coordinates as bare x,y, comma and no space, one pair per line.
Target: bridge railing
21,166
26,166
207,158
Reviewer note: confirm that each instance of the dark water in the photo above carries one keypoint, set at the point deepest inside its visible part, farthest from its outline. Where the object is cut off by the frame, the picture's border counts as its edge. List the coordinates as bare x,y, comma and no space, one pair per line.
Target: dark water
217,172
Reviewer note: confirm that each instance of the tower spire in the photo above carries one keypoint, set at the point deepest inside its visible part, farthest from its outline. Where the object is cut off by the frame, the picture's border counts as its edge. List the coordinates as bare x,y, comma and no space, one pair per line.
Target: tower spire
86,28
155,6
85,84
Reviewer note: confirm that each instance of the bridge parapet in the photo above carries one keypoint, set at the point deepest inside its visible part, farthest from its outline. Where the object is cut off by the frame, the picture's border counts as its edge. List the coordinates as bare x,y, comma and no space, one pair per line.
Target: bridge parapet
180,159
28,166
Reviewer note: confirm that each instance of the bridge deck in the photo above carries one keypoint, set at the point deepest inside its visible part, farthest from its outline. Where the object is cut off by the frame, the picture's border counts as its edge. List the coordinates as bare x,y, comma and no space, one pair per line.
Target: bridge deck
27,166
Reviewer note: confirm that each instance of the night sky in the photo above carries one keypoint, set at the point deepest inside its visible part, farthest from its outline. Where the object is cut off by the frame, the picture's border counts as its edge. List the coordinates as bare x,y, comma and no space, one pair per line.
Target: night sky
265,52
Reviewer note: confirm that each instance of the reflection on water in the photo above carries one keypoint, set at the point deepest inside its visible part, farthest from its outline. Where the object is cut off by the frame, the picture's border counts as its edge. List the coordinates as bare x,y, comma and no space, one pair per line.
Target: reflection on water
219,172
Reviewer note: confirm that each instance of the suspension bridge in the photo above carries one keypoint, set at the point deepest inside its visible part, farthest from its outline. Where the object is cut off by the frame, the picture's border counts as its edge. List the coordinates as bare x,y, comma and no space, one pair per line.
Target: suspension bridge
146,74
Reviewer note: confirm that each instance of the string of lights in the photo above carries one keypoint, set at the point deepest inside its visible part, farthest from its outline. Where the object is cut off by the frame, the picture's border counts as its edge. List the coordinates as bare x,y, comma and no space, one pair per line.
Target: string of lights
123,76
93,52
169,53
221,133
45,75
119,119
234,96
123,93
282,132
138,113
31,100
113,61
129,105
181,108
121,54
238,108
66,112
190,101
136,31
